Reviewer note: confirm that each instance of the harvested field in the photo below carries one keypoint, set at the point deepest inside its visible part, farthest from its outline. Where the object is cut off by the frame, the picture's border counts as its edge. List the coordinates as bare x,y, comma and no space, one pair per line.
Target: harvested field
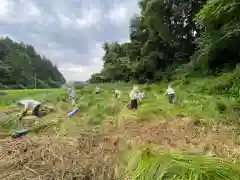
86,157
92,144
183,135
96,155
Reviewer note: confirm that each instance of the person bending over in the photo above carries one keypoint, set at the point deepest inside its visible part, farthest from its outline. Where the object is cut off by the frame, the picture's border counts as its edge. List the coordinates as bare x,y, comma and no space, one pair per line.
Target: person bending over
30,104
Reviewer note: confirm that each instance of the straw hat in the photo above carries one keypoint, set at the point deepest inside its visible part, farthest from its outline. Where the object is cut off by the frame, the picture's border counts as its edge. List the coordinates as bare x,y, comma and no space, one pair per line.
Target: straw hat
135,88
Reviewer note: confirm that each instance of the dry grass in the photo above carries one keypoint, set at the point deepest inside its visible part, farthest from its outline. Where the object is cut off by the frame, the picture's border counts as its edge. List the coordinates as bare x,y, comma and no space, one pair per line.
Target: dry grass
55,158
96,155
182,135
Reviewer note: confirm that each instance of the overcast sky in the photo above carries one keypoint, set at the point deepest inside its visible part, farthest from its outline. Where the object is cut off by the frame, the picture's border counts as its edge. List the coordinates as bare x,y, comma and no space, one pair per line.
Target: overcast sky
69,32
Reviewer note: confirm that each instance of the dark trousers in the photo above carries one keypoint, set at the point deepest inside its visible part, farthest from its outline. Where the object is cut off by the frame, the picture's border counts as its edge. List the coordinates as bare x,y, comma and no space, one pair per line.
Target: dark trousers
170,98
36,111
134,104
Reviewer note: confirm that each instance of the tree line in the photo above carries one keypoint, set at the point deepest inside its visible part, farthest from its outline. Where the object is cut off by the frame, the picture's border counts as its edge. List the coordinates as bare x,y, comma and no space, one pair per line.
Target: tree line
22,67
199,37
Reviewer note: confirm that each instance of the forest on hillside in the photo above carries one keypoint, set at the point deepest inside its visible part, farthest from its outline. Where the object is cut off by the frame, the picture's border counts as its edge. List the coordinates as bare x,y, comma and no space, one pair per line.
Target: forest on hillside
20,64
172,37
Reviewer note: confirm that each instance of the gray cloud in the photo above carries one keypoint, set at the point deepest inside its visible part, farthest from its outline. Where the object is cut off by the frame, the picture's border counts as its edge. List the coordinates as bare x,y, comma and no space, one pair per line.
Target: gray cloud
69,33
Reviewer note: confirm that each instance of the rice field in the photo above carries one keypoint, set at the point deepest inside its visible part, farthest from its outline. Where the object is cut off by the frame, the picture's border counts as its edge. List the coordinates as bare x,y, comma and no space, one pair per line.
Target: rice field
196,138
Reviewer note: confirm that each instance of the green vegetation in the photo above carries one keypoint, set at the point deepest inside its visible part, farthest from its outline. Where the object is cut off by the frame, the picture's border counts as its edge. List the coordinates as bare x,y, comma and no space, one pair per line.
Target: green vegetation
12,96
172,39
152,165
19,64
11,121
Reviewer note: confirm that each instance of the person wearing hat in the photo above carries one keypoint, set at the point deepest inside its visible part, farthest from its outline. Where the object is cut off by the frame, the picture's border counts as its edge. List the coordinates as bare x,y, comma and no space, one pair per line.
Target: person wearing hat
134,97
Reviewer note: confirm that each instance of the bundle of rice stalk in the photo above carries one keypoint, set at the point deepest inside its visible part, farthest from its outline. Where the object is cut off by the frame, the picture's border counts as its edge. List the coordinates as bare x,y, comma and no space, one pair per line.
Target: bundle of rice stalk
149,165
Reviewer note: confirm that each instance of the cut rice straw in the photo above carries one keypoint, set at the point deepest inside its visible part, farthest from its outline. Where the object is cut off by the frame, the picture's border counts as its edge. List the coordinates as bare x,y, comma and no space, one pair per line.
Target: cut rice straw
54,158
147,164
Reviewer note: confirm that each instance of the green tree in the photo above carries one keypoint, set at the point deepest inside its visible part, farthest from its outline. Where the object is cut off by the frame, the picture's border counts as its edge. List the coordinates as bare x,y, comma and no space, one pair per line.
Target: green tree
19,63
171,34
218,43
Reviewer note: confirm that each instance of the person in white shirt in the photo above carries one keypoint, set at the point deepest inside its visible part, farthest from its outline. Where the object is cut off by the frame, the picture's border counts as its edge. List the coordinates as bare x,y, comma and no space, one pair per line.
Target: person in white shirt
30,104
97,90
117,93
69,92
170,91
134,97
73,95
